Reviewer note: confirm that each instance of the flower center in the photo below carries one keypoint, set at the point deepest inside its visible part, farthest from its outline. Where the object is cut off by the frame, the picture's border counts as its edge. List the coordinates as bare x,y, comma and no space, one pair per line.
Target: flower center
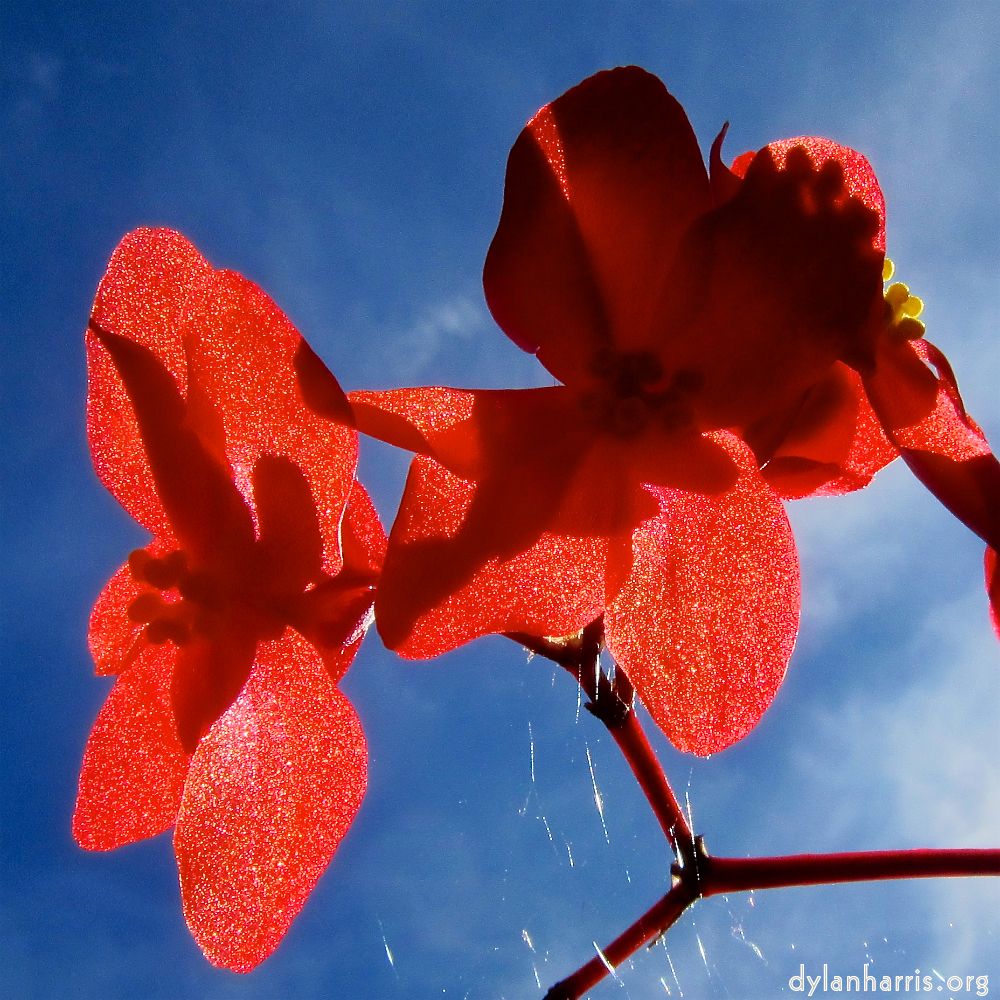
901,308
193,598
626,401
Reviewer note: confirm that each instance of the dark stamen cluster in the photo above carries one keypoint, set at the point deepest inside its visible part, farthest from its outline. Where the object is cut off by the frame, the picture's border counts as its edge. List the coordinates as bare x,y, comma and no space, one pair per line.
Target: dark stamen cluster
629,402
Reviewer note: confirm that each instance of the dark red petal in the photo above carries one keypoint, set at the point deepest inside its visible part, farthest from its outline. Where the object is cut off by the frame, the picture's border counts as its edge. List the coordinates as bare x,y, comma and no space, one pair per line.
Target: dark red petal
436,594
320,391
154,282
290,546
870,450
335,615
133,768
411,418
833,445
206,511
769,290
706,622
742,163
859,177
600,186
230,354
242,353
901,388
725,182
271,792
363,537
993,588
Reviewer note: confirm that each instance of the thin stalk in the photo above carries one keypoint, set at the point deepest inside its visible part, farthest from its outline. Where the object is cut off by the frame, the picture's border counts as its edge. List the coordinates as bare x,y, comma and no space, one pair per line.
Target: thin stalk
697,874
648,927
713,876
613,703
720,875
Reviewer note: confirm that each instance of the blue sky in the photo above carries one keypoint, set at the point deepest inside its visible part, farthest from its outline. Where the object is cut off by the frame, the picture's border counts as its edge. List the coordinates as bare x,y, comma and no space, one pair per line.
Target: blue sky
349,158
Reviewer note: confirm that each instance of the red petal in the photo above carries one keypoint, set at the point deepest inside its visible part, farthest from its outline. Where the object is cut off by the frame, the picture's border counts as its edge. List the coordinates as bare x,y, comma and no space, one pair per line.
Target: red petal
600,186
271,792
434,596
224,335
133,768
901,388
206,511
870,450
769,290
154,281
290,545
725,182
320,391
363,536
417,420
834,445
706,623
859,177
993,588
539,467
941,444
209,675
336,615
242,351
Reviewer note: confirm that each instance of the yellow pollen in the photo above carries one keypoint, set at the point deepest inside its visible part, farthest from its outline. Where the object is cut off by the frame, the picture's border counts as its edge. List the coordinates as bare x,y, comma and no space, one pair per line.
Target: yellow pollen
902,308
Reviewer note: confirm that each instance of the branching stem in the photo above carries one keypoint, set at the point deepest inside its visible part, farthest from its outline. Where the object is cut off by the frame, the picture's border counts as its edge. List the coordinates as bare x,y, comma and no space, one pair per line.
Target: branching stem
696,873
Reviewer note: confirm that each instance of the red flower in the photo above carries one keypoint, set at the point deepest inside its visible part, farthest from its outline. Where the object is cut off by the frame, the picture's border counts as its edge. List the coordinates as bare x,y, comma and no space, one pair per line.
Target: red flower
717,339
231,628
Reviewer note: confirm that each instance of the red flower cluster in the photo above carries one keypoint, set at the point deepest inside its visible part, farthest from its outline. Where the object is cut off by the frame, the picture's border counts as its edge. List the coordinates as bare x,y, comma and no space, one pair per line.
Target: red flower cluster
229,631
721,342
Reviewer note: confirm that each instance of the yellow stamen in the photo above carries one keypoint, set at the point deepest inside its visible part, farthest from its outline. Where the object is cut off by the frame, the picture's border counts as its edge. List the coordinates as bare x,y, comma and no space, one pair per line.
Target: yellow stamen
902,308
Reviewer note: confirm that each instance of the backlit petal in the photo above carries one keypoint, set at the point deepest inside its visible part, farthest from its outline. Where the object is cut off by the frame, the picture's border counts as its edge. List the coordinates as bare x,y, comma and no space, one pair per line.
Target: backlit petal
207,513
706,622
133,768
435,594
335,615
859,177
230,353
769,290
241,352
993,587
600,186
209,674
154,283
833,445
363,536
925,418
270,794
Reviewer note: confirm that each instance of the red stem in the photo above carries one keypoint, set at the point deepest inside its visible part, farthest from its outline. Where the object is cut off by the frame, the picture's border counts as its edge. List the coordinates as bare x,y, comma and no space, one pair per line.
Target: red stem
649,926
713,876
698,874
612,703
719,875
636,749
